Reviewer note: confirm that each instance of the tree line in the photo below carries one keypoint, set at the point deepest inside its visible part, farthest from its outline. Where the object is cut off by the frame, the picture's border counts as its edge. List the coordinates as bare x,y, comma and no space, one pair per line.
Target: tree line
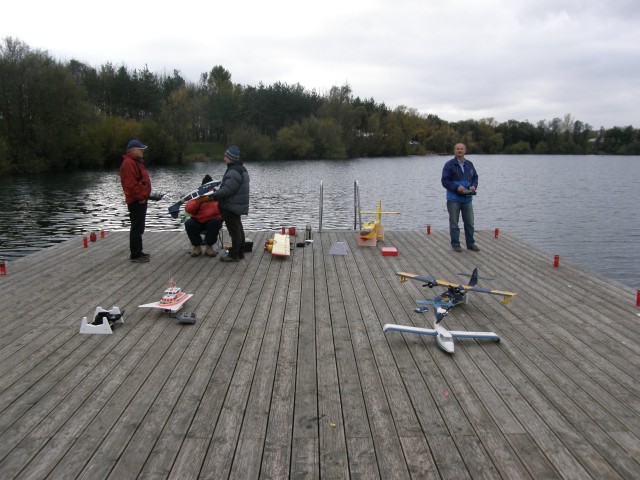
66,115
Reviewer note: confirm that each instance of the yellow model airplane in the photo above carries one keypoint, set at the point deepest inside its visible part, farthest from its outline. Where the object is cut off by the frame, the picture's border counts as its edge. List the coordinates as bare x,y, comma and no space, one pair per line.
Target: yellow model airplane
374,230
456,293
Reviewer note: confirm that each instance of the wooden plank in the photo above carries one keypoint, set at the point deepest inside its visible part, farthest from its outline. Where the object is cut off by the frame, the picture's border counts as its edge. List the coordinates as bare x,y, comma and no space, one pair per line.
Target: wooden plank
276,462
304,453
333,449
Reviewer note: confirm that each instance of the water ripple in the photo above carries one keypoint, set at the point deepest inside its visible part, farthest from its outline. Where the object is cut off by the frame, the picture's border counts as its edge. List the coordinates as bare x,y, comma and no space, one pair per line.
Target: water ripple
584,208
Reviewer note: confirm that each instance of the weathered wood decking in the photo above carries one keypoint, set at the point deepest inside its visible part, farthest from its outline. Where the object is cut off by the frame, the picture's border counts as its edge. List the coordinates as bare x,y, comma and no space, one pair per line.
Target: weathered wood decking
287,372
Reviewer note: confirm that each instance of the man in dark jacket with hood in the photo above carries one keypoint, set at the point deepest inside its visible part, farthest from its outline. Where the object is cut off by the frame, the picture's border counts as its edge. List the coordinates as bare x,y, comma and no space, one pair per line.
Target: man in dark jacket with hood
233,196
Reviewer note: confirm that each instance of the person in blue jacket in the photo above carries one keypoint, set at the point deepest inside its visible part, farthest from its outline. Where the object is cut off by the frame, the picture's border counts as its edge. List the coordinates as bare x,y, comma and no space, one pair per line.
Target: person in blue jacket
460,179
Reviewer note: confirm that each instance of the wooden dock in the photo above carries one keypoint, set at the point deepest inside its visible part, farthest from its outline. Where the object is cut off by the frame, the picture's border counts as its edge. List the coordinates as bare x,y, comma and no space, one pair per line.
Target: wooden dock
288,374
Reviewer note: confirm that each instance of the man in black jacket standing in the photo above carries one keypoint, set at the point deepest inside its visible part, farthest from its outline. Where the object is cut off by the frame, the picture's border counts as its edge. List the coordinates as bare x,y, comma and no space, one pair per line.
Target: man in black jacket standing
233,197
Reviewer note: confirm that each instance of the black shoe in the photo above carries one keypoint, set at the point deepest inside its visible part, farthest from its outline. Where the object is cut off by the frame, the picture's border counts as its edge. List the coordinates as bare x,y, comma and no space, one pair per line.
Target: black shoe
457,248
474,247
146,255
140,259
229,258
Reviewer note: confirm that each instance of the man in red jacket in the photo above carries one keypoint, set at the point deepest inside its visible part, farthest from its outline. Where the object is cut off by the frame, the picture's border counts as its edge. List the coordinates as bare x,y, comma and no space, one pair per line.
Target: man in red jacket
205,215
137,188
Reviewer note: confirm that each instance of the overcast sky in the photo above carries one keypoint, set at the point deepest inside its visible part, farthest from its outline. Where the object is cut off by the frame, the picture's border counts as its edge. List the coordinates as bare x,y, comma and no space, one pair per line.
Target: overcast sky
526,60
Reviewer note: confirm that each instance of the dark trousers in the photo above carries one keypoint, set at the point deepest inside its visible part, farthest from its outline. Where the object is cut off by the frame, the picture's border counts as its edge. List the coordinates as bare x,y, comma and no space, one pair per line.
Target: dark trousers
138,216
211,230
236,232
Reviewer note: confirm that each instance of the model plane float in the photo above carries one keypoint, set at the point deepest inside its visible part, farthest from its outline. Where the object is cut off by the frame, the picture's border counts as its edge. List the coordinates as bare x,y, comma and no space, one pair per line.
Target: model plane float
456,293
172,300
444,337
199,193
373,231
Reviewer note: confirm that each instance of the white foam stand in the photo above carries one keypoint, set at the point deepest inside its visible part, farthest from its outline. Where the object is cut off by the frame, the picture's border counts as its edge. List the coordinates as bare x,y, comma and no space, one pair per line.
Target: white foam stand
103,328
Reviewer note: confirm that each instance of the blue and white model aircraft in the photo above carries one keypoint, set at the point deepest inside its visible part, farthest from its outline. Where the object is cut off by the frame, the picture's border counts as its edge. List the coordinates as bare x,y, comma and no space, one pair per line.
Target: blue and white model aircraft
444,337
200,192
456,293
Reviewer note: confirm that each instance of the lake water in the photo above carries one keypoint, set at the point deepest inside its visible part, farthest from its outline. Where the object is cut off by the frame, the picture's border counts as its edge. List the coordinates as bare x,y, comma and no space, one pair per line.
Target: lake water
584,208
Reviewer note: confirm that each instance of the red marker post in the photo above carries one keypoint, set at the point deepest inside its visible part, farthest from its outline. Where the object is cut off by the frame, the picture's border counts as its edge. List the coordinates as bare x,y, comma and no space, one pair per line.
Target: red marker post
101,233
556,261
637,298
85,240
92,236
428,229
3,271
497,232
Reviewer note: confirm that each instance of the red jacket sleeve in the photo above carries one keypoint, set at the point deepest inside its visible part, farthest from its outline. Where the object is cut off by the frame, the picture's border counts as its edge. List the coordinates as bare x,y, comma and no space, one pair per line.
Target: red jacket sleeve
192,207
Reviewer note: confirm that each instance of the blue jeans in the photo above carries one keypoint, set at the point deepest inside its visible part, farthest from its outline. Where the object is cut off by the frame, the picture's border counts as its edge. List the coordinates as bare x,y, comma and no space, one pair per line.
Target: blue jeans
454,209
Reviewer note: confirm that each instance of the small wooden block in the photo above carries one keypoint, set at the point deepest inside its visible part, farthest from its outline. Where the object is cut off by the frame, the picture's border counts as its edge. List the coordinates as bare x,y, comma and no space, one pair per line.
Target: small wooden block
389,251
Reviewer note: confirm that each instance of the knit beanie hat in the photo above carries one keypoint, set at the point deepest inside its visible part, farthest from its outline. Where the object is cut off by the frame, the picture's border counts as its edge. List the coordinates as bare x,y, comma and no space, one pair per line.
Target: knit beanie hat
207,178
233,153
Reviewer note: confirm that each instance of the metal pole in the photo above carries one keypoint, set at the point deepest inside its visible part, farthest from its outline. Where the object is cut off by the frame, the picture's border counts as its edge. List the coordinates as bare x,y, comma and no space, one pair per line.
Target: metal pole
357,217
321,201
355,204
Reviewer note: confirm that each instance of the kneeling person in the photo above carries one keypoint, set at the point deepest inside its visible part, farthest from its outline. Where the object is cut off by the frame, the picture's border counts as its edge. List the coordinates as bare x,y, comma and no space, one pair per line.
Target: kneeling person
205,215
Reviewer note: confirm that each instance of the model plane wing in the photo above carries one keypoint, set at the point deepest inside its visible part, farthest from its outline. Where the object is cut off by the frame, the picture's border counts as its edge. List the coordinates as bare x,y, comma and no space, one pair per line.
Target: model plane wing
433,282
486,335
404,276
392,327
506,296
281,245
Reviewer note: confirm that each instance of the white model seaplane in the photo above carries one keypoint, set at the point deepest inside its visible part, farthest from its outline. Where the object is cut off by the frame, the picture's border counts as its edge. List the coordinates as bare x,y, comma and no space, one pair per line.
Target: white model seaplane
172,300
444,337
456,293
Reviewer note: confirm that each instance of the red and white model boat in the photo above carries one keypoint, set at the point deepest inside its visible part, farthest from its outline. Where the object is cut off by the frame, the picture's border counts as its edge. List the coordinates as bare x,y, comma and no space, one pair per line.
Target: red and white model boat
172,300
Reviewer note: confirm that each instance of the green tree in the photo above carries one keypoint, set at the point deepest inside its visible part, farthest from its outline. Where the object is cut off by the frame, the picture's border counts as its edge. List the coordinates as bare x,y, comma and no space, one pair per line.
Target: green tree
177,115
294,142
254,145
43,111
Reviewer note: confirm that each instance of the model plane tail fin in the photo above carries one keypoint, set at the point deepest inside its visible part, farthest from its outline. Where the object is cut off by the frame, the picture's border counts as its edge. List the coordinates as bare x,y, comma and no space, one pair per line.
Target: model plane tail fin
174,210
474,278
